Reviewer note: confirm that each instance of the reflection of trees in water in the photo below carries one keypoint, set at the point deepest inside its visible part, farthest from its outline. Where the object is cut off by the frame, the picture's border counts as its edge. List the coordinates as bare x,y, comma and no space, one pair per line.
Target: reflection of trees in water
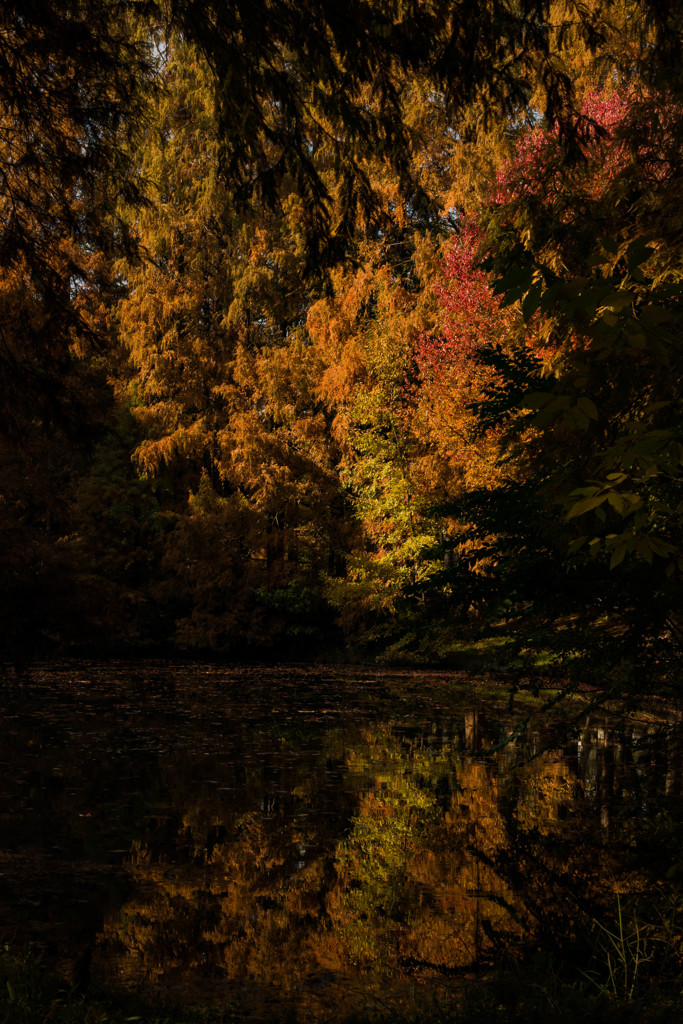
399,850
234,892
415,885
275,849
242,914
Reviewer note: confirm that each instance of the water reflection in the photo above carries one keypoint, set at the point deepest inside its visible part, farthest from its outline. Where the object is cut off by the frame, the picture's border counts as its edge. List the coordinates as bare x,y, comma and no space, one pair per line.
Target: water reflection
304,840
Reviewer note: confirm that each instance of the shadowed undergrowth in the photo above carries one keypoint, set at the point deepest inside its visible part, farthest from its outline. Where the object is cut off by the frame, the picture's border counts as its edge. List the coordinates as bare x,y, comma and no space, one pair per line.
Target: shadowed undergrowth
618,987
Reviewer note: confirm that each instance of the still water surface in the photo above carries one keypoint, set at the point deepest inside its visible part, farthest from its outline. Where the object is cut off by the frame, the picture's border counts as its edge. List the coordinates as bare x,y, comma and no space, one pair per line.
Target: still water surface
320,840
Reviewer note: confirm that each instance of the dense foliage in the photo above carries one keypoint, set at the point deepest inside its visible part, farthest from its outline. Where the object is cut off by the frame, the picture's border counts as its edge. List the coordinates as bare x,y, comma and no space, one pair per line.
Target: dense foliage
349,333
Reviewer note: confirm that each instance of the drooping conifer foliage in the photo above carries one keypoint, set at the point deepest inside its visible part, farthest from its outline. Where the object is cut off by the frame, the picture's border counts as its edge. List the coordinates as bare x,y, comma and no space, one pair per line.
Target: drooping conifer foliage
343,330
71,82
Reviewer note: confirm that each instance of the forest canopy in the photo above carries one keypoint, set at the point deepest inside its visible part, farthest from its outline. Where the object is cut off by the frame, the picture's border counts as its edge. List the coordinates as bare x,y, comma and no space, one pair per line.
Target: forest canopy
344,332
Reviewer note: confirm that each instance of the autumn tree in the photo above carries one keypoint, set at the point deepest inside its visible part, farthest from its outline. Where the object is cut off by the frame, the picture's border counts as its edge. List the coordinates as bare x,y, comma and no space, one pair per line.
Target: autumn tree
223,383
297,160
398,387
589,252
292,83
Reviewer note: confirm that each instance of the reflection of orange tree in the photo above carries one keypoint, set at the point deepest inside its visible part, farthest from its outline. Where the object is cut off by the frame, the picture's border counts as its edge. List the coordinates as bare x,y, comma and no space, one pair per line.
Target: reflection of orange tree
417,882
446,862
223,915
561,855
546,805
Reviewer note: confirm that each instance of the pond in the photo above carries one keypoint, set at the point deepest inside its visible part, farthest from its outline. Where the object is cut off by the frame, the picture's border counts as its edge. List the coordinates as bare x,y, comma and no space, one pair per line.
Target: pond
316,841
